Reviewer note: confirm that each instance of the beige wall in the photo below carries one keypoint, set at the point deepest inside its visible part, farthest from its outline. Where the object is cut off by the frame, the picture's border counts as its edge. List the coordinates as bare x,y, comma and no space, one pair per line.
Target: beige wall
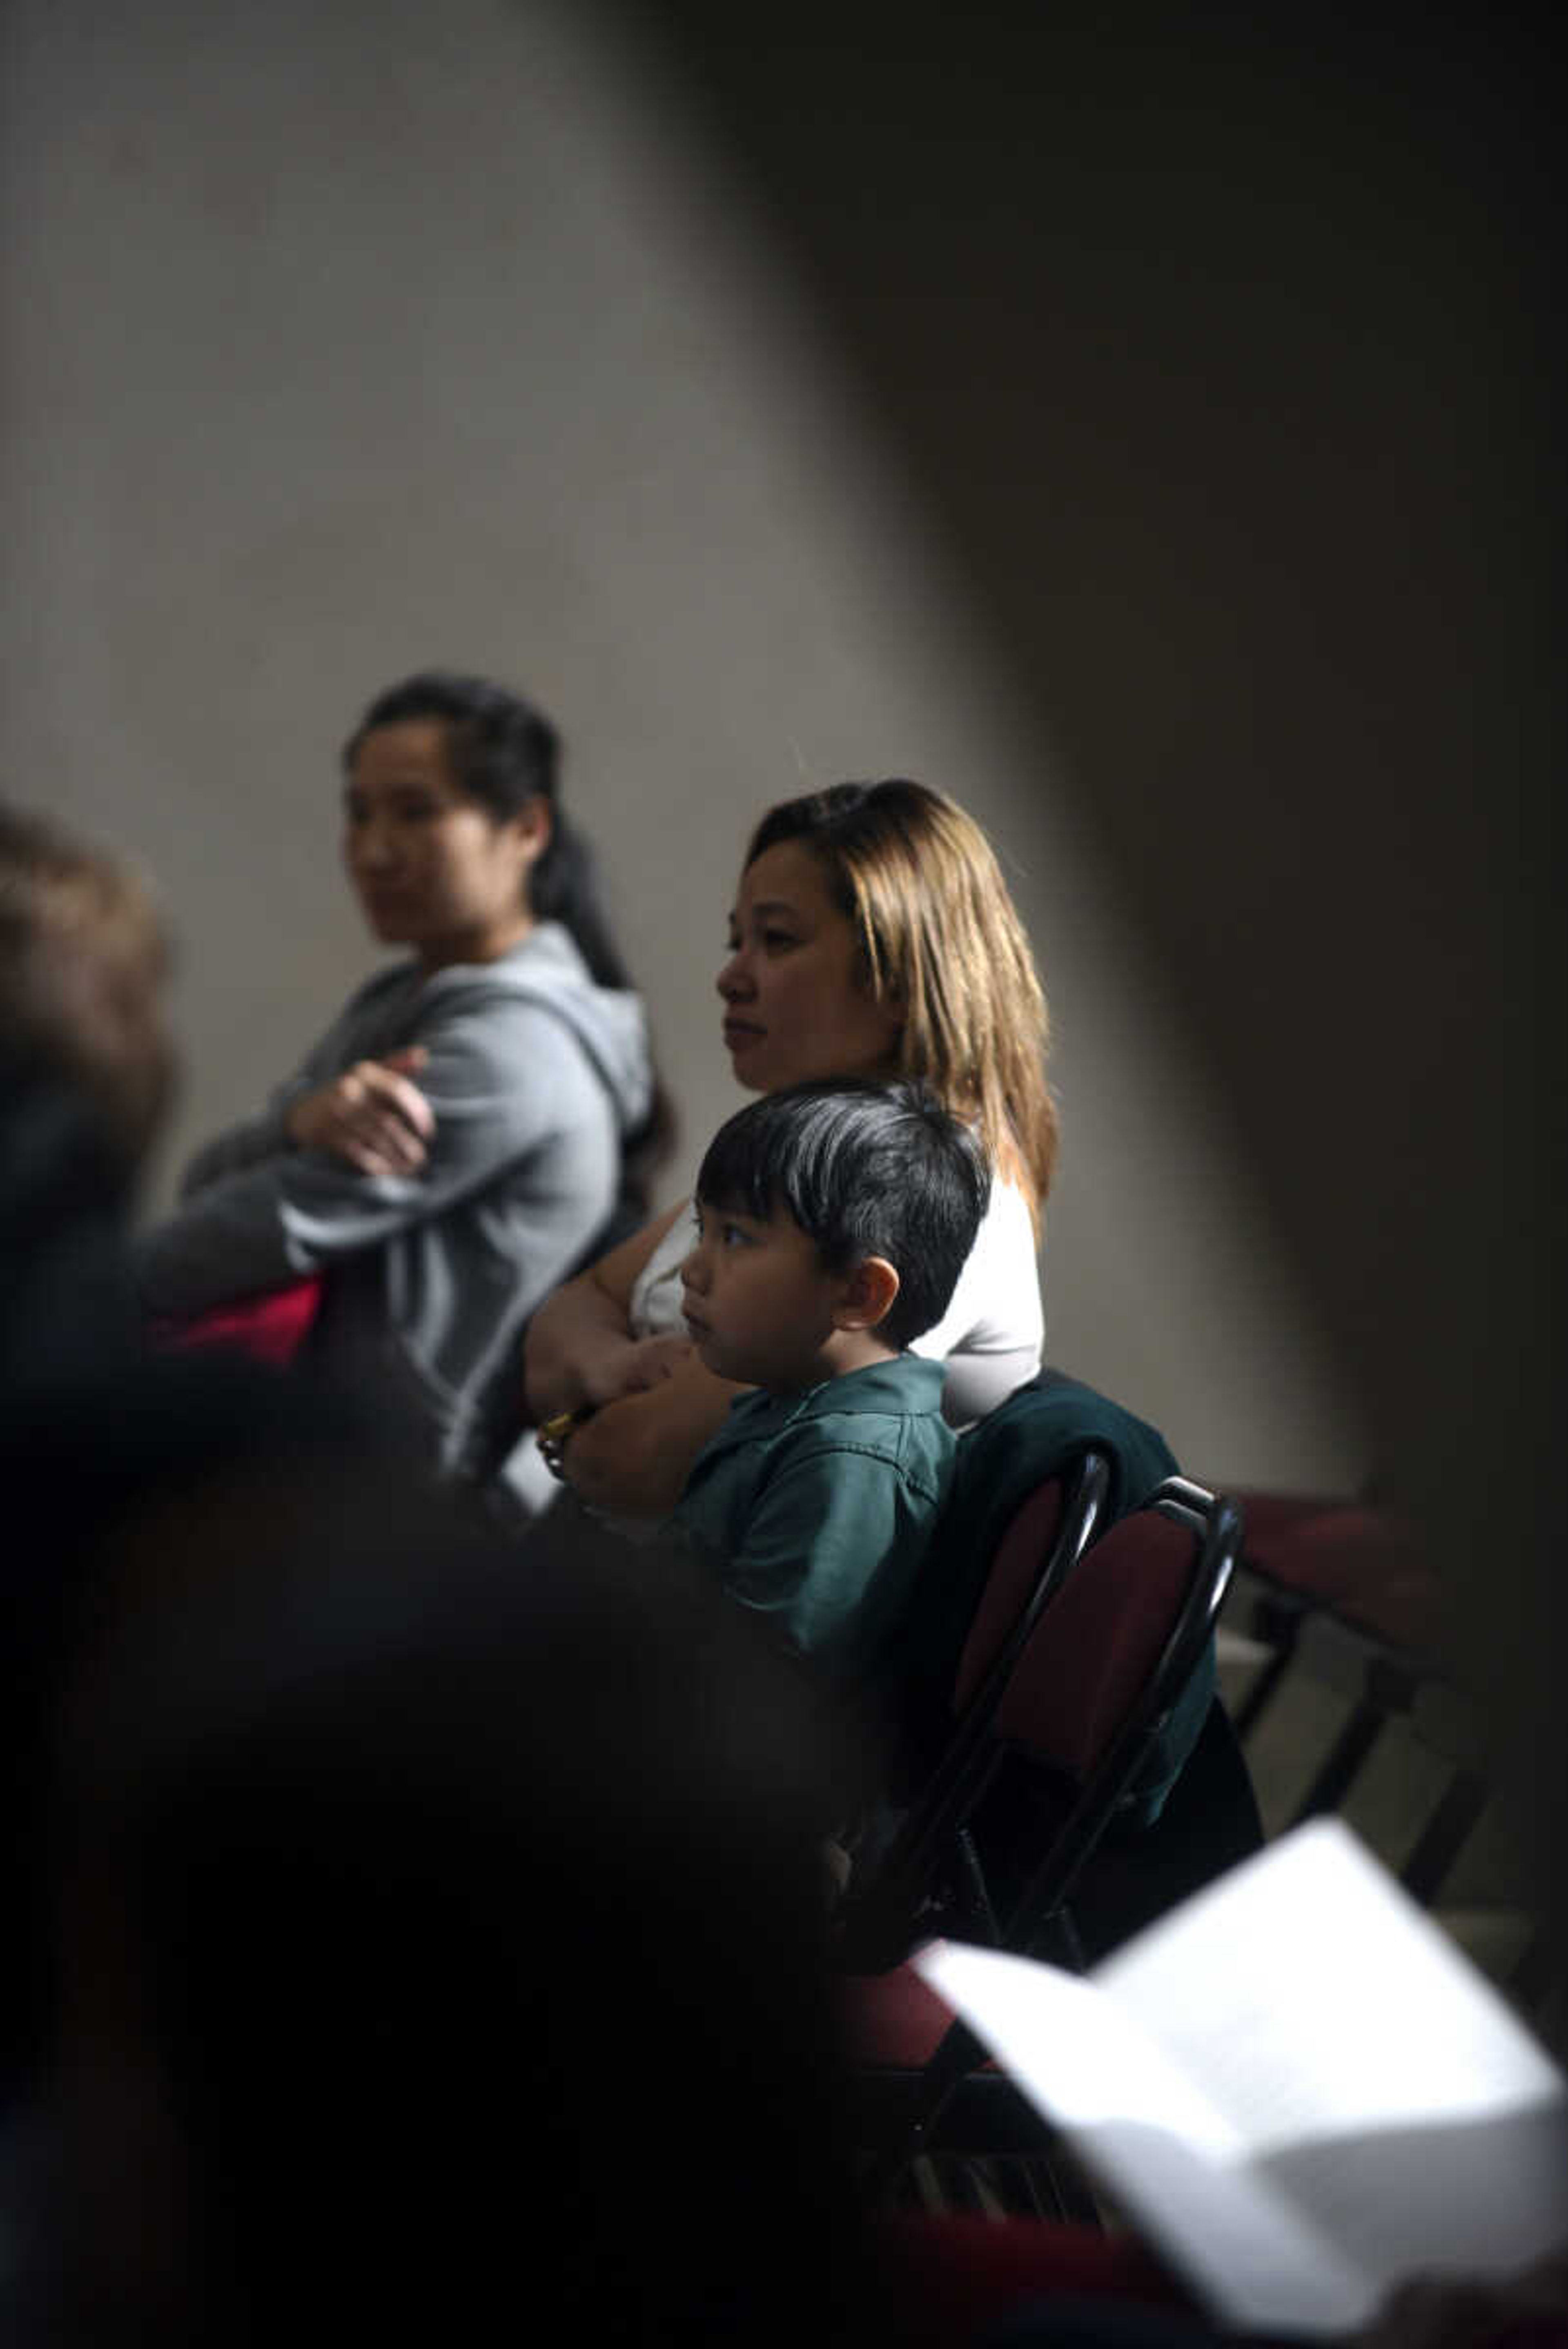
342,339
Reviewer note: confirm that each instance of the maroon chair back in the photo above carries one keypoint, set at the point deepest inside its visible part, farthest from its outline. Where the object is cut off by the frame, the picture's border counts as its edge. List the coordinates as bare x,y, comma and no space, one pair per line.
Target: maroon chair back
1364,1564
1045,1534
1014,1572
1099,1688
1095,1647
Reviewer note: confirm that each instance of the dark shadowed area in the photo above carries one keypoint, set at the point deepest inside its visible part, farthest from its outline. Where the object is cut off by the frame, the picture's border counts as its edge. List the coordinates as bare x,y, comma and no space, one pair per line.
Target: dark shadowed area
1224,353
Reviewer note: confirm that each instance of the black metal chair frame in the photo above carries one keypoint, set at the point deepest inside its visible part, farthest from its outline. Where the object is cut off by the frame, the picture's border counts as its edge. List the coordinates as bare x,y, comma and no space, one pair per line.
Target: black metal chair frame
1215,1523
884,1915
1383,1683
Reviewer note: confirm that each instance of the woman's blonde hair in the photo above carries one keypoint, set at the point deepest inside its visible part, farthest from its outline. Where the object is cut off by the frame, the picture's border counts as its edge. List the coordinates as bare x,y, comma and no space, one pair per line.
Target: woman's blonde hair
939,935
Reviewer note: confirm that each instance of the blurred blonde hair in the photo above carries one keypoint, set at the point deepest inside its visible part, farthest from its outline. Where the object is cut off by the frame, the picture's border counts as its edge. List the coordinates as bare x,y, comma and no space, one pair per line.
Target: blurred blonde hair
939,933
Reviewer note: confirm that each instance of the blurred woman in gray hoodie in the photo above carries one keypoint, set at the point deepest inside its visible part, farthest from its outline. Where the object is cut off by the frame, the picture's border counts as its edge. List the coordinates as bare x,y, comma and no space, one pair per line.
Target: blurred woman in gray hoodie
477,1117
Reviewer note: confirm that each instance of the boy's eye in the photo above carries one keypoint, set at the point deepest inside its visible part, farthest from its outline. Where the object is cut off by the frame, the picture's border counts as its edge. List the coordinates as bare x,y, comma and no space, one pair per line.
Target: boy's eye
778,941
731,1235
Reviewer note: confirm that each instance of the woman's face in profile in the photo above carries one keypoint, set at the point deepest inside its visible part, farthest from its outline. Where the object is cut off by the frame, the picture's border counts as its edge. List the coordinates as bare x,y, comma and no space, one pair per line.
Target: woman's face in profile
796,1007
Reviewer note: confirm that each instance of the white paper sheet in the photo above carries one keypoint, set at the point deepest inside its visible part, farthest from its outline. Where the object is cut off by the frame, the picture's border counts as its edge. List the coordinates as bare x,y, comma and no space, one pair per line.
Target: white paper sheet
1295,2083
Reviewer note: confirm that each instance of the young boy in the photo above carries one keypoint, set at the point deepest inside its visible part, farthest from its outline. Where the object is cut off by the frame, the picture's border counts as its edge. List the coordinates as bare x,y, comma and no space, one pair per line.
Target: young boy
833,1222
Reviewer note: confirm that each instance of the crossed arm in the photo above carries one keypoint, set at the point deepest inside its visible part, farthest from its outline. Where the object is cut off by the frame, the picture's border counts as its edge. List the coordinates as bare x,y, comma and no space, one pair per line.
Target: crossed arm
338,1163
655,1404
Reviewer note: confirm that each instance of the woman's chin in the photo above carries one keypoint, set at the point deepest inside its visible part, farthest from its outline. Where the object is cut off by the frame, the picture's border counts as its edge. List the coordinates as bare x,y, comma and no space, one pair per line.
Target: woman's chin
749,1068
389,927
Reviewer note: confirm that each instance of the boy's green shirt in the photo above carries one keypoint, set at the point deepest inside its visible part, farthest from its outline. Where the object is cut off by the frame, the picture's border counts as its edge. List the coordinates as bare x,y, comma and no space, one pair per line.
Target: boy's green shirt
817,1509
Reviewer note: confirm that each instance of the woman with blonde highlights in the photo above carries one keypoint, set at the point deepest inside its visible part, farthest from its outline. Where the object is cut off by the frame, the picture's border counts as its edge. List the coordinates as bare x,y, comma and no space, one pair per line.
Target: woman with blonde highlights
872,934
939,933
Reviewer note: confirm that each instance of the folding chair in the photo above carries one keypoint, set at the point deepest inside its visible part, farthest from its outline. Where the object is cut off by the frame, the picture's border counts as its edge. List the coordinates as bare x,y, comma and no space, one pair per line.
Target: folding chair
1305,1560
929,1862
1108,1697
1340,1592
1035,1480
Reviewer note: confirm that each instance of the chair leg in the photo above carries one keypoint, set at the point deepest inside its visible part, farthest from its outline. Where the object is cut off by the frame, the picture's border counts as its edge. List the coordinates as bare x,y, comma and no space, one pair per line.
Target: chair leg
1069,2199
1438,1844
1055,1940
1262,1691
1534,1972
976,1891
957,2055
1342,1763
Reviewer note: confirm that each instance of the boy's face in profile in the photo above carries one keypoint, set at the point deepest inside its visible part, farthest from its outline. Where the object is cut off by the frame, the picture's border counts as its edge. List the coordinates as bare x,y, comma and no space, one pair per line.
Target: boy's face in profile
759,1303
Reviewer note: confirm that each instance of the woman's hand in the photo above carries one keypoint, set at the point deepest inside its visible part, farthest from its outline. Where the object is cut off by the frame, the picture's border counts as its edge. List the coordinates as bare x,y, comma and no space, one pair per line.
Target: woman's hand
371,1116
579,1345
645,1362
633,1456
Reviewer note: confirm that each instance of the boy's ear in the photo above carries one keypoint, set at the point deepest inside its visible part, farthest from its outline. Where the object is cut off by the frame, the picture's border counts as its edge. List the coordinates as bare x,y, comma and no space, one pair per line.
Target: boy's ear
869,1289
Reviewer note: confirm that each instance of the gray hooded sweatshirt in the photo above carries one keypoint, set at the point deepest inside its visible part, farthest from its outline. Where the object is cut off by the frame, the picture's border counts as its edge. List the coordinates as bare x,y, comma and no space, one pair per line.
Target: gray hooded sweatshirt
534,1075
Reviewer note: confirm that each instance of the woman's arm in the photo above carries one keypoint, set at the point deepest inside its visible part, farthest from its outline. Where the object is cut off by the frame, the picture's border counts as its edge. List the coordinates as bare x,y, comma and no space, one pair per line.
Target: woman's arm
301,1210
372,1116
632,1457
245,1143
580,1339
269,1131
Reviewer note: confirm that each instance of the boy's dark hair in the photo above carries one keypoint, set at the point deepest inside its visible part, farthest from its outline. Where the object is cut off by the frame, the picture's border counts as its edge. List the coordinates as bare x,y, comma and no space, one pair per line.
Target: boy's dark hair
866,1169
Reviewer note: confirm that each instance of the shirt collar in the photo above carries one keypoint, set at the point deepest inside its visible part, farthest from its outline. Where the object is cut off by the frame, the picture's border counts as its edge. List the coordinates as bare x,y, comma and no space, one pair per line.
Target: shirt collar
907,1387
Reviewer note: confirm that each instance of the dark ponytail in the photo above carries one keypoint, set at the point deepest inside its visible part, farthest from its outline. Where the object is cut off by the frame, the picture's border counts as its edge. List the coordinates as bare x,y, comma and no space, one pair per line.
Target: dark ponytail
504,752
563,886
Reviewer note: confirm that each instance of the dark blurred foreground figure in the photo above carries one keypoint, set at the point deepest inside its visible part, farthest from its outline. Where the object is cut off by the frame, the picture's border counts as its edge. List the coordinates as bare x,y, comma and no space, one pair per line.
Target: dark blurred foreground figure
86,1070
442,1947
94,1431
82,965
